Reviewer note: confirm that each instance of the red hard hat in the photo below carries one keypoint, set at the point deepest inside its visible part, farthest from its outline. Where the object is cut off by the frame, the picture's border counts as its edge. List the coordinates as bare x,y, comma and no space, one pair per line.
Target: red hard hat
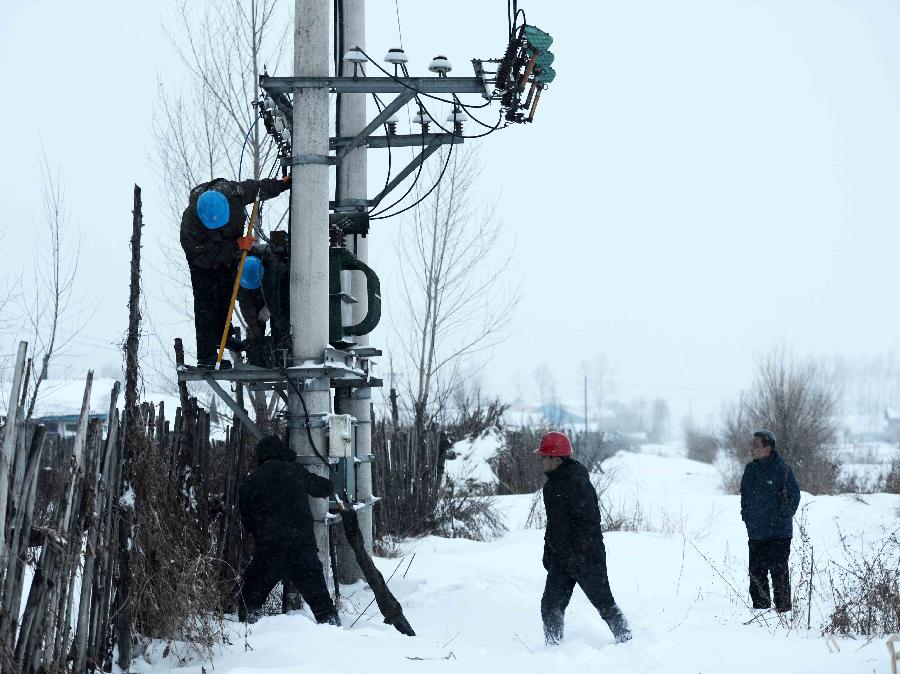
555,444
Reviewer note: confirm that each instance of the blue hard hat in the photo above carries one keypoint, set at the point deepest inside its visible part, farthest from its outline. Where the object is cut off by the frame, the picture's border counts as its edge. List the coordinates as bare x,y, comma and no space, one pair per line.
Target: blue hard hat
213,209
252,275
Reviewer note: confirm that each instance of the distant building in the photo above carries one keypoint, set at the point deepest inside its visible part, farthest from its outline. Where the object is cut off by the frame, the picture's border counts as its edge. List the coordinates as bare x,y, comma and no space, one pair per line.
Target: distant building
60,400
521,415
65,425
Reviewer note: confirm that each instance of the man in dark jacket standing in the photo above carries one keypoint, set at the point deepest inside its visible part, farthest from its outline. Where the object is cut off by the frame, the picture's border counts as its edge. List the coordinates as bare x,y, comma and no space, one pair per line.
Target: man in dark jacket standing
212,236
275,510
769,498
573,542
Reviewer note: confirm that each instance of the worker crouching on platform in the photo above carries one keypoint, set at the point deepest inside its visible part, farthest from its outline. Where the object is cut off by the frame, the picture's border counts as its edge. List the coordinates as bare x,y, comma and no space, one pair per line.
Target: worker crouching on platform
212,239
254,309
275,511
573,542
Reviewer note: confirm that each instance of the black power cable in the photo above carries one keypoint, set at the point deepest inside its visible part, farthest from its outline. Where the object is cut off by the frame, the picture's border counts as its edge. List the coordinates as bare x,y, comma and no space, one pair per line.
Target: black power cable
374,215
424,196
312,443
473,117
491,129
387,179
420,93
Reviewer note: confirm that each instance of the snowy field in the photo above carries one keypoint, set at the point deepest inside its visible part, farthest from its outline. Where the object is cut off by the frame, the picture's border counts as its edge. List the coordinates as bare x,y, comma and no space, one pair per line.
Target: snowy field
681,581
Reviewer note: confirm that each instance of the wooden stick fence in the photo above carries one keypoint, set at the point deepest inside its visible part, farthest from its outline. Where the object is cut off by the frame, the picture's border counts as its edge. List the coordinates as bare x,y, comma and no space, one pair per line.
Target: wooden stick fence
71,612
69,546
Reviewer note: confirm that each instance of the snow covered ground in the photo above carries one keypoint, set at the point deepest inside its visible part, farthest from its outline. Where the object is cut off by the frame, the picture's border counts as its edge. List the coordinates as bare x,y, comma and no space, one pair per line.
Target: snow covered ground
681,582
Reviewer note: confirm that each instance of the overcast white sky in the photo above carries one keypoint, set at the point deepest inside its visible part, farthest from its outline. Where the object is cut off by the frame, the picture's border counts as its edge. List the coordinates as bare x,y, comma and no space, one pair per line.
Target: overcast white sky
704,179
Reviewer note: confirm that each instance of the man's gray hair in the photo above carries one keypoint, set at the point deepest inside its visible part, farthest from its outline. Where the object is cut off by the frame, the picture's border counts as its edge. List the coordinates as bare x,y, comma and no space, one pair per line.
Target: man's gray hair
767,437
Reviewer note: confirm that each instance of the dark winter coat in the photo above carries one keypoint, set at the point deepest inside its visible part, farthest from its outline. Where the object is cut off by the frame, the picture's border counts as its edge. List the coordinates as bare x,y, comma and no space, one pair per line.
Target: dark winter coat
214,248
573,538
770,496
273,503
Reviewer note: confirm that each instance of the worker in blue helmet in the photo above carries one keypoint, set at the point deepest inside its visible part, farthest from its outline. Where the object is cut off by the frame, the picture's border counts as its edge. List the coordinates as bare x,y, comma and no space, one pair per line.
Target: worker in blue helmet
254,307
212,236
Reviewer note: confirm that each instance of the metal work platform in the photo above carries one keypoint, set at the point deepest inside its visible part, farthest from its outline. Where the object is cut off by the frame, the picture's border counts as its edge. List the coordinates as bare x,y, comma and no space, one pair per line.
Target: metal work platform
344,369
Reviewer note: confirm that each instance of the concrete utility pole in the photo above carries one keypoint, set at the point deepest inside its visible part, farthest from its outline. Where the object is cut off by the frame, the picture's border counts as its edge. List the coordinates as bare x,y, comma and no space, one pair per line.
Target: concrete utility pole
309,246
352,188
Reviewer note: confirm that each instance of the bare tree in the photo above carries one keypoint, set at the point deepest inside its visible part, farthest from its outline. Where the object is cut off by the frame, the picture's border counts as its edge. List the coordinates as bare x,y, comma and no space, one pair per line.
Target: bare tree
208,131
546,383
456,303
10,294
50,307
600,380
659,421
794,400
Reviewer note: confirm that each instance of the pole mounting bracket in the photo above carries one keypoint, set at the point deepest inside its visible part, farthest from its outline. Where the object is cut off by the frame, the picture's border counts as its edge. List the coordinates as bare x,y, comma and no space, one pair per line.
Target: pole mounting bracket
382,117
239,411
297,159
436,140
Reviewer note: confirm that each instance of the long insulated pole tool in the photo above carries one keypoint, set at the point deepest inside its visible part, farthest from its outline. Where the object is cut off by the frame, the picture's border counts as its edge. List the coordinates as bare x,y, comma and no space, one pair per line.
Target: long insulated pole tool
237,284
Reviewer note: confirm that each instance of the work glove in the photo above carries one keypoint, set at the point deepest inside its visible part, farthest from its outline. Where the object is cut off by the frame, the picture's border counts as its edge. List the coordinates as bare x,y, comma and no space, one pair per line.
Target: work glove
264,314
286,179
245,242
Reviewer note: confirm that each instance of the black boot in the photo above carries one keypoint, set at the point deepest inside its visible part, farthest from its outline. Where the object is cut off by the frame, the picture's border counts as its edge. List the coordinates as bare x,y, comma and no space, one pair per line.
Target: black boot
211,364
248,616
331,619
291,600
234,343
618,625
553,630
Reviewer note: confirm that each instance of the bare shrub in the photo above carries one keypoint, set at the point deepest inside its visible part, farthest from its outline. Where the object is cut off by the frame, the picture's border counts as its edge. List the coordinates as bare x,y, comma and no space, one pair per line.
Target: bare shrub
701,446
464,511
802,573
591,448
891,483
617,516
855,484
179,586
731,471
474,418
408,475
866,589
189,548
519,472
418,498
537,515
796,402
516,468
388,547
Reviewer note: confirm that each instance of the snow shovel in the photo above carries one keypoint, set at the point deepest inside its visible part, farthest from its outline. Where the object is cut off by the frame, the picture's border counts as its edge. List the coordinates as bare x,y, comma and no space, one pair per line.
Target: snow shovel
387,603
